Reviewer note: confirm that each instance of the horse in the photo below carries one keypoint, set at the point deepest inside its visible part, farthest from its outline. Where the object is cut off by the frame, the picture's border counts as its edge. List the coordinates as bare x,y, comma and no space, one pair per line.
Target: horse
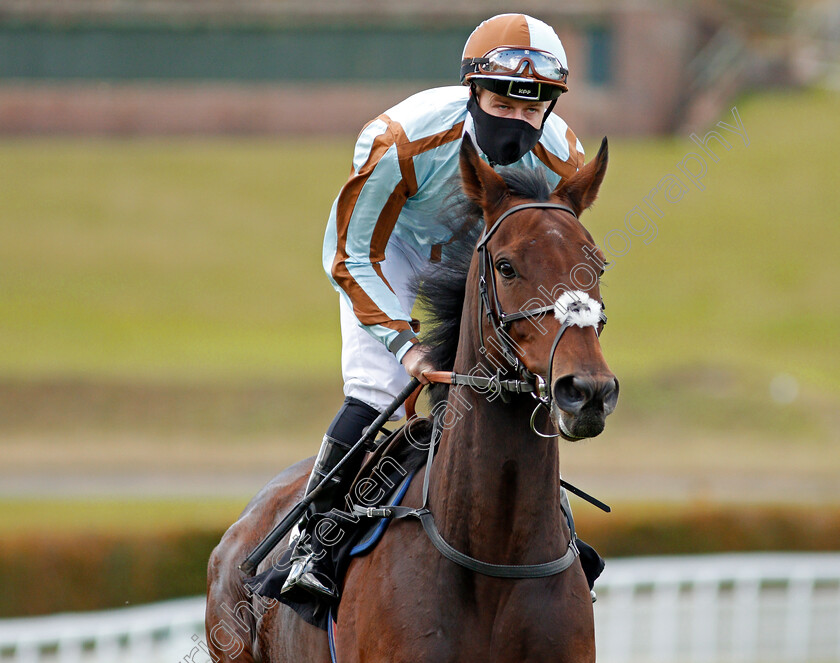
494,486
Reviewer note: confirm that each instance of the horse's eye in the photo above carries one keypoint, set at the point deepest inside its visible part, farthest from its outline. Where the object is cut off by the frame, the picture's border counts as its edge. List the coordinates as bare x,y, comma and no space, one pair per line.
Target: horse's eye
505,269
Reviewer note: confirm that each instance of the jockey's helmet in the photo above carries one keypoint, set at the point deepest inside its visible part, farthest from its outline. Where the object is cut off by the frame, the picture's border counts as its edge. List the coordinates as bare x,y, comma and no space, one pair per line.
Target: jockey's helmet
516,56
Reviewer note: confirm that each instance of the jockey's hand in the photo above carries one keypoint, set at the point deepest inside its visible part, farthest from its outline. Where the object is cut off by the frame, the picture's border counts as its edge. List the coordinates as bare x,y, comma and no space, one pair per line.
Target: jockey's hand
416,363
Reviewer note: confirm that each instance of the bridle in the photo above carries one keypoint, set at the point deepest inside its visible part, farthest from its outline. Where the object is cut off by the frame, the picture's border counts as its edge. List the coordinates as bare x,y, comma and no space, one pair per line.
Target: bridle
500,322
497,318
527,382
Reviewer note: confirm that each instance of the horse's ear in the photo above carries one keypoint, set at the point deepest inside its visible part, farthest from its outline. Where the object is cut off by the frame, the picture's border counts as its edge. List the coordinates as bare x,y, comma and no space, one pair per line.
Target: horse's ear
483,185
581,189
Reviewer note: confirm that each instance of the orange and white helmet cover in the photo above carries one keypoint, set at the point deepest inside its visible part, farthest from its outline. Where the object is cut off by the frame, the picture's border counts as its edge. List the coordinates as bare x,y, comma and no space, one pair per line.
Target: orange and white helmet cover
518,38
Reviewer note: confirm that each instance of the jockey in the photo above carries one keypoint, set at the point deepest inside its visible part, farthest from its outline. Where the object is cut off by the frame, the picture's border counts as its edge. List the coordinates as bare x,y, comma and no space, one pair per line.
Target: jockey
384,228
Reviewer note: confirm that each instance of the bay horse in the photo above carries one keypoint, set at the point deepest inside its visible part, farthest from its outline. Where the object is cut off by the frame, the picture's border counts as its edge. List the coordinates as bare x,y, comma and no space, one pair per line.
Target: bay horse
494,486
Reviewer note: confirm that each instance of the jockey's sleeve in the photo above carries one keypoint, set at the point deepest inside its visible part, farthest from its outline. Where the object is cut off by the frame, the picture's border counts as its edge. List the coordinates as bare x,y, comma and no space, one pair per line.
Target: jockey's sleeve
567,142
361,221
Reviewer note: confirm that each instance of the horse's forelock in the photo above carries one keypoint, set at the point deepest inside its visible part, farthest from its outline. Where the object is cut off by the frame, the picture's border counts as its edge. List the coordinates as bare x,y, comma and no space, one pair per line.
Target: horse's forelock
526,183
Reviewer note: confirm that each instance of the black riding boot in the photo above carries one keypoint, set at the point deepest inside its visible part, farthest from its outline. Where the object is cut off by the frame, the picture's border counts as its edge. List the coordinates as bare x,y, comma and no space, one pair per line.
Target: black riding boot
345,430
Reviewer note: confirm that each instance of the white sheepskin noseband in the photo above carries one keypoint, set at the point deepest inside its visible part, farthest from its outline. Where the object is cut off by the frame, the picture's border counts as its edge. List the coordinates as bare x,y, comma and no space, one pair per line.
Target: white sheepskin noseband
574,307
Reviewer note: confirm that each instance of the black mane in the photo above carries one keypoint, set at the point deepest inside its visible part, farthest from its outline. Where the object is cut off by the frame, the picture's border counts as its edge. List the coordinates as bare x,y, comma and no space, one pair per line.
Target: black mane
526,183
442,288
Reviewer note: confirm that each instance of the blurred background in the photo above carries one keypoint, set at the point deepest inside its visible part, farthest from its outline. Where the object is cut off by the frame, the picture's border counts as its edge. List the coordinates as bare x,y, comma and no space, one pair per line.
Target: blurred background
169,342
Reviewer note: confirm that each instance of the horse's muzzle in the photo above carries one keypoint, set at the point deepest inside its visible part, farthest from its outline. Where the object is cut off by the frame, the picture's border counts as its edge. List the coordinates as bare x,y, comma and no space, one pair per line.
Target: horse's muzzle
582,404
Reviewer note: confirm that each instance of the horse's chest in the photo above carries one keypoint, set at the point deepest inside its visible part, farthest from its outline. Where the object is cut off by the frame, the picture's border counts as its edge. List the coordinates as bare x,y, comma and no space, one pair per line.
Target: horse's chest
405,602
529,623
530,637
457,617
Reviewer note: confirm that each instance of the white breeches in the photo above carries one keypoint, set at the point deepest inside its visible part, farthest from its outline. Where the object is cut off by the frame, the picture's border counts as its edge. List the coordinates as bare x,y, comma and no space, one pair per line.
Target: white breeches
371,373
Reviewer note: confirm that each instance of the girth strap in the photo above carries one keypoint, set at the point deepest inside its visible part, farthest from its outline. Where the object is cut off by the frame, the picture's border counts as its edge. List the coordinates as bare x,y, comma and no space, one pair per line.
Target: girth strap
485,568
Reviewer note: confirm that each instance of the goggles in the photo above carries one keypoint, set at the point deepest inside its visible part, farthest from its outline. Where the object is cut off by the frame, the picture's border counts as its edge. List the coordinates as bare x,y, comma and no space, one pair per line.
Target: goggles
527,62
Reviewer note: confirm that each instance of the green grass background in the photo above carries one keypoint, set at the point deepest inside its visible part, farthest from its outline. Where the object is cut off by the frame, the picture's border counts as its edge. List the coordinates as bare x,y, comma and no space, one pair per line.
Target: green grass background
142,259
163,308
162,305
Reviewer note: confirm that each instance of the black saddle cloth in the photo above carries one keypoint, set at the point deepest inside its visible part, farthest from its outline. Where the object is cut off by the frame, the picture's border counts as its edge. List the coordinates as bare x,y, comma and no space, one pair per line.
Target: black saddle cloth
387,469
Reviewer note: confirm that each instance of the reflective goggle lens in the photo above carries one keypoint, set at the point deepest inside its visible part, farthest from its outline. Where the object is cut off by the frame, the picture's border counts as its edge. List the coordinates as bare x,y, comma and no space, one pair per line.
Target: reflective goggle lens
514,61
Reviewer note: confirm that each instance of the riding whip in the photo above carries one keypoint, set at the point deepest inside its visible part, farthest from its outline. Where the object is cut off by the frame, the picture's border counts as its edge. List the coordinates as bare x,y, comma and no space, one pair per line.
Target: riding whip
259,553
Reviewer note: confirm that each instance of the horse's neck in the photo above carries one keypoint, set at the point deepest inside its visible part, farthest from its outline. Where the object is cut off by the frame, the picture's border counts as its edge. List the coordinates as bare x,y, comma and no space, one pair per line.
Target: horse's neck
495,488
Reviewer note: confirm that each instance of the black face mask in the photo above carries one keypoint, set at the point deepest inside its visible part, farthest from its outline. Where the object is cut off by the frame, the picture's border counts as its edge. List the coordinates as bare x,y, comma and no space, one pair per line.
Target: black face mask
503,139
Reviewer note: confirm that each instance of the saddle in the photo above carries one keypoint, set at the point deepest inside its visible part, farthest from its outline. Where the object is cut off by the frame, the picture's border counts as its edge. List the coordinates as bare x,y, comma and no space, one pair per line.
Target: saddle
342,533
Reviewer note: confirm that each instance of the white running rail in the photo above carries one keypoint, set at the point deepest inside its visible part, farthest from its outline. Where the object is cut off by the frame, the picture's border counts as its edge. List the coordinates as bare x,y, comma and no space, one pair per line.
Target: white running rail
152,633
756,608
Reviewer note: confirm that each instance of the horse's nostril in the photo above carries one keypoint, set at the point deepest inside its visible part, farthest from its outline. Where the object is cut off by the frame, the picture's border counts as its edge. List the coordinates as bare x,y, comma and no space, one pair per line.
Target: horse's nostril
570,394
587,386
